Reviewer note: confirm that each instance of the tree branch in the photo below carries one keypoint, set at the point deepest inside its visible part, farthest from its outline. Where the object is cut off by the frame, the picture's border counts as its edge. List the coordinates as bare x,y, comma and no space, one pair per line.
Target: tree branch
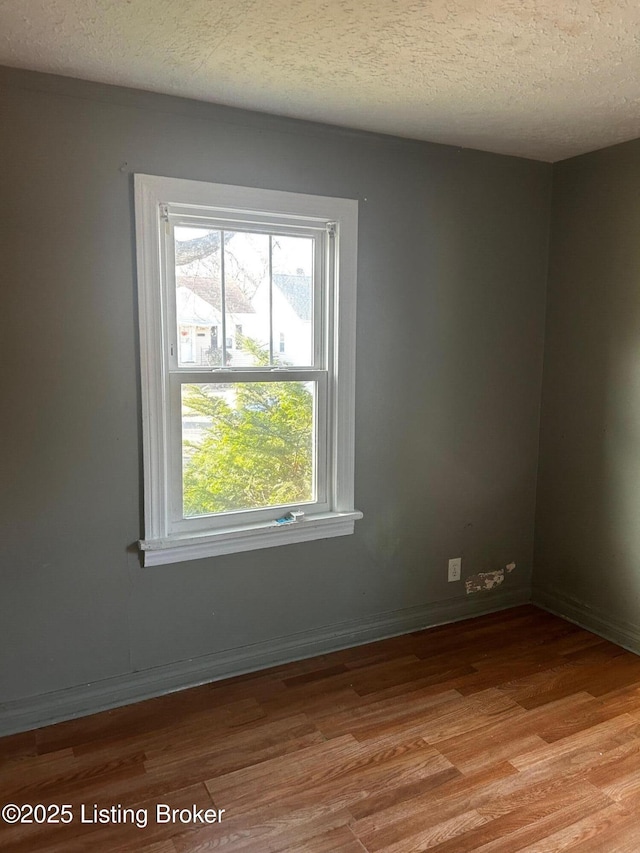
188,251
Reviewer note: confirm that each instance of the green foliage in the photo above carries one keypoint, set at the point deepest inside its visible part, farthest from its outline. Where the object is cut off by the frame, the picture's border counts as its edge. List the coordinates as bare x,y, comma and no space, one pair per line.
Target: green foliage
257,452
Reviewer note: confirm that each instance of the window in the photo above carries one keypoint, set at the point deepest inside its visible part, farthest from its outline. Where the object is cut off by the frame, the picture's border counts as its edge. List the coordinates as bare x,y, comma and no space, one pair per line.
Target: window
247,444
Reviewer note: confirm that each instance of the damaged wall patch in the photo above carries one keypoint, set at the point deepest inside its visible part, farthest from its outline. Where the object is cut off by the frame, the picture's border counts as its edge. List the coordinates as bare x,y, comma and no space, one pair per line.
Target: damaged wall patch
484,581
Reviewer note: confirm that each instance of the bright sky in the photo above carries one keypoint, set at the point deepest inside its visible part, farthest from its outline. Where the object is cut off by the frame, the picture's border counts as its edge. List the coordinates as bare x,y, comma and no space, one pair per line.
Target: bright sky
251,252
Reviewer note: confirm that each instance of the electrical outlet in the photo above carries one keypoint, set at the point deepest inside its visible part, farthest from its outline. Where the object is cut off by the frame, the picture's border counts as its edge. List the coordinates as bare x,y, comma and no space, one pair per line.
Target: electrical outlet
455,568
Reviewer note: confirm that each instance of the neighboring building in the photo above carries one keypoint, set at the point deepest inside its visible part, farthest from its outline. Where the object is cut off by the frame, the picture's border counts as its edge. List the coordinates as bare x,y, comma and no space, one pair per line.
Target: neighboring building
292,314
199,318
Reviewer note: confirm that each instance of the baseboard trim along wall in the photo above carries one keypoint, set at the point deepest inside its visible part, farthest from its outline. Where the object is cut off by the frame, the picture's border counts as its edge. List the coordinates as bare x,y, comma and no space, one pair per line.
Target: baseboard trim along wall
35,712
591,618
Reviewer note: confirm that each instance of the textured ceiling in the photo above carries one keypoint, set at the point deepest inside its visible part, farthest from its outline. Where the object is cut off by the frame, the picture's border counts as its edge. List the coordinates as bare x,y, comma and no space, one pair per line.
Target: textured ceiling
538,78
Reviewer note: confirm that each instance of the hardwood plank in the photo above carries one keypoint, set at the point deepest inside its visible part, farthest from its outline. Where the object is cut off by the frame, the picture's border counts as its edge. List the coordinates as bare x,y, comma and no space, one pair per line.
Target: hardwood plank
17,747
622,700
400,805
616,832
265,833
340,840
66,776
576,835
236,749
550,722
329,775
575,676
439,835
536,823
496,748
583,746
489,794
391,711
619,775
500,828
316,675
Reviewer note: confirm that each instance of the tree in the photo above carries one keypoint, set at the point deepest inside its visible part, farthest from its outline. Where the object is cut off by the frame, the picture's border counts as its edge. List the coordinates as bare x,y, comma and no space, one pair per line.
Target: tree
188,251
258,451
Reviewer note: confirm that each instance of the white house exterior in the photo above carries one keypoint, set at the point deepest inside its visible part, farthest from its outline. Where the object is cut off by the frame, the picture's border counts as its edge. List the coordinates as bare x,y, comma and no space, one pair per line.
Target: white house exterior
292,315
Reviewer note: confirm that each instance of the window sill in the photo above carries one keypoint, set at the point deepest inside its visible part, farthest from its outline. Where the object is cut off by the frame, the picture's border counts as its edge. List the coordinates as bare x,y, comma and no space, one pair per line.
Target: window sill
177,549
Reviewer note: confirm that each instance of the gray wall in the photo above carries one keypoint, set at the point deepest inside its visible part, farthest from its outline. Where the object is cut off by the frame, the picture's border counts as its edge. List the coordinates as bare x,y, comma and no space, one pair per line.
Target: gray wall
588,515
452,274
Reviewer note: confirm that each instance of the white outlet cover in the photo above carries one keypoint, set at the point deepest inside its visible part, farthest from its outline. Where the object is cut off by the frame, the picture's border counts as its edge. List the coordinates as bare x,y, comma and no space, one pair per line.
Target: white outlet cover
455,568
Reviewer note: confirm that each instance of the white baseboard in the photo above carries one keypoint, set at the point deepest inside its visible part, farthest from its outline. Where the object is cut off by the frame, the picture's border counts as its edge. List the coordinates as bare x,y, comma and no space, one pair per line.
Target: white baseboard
593,619
43,710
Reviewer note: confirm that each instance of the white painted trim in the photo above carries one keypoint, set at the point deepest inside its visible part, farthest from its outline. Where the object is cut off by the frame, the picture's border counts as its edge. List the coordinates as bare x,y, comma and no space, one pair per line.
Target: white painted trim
230,199
344,360
151,368
37,711
153,196
175,549
592,619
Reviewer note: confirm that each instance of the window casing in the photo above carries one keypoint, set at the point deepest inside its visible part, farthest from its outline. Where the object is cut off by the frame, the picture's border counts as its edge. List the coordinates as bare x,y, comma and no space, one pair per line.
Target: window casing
225,351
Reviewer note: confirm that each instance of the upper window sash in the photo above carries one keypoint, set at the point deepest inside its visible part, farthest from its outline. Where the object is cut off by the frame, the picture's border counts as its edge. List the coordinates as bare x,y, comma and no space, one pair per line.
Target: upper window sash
322,270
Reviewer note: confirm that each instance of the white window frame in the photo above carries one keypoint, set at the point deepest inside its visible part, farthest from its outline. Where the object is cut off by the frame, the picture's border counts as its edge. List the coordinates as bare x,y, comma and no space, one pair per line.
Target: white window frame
334,220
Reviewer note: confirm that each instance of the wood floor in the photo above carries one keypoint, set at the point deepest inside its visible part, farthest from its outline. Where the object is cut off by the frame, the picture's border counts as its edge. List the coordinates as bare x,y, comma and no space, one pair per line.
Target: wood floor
511,732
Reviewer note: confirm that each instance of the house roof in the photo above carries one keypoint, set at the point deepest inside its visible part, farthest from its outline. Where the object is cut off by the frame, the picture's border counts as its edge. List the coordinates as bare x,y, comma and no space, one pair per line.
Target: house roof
208,289
297,290
192,310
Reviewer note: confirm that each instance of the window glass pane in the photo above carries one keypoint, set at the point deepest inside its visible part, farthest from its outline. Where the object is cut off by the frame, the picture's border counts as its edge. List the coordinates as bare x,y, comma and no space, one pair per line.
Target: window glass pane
264,286
292,263
246,277
247,445
198,296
